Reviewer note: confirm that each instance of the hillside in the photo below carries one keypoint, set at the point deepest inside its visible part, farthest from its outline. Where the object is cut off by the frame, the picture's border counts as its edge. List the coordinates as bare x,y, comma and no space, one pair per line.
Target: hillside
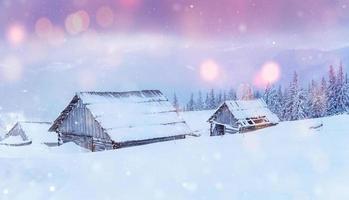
287,161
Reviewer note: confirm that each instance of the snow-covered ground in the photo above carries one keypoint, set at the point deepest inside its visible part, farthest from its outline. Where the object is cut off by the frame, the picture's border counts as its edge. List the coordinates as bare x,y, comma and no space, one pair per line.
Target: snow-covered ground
287,161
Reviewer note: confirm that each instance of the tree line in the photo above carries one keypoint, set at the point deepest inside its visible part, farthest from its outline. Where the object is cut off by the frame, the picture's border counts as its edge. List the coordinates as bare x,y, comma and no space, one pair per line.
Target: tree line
325,97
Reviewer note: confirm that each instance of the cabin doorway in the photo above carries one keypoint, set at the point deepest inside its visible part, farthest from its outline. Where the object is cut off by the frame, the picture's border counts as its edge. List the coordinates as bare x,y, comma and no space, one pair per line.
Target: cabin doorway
218,129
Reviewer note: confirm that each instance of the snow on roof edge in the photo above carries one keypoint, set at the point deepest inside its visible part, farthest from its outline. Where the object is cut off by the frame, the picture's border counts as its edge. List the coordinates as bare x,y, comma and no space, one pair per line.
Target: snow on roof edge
262,106
91,100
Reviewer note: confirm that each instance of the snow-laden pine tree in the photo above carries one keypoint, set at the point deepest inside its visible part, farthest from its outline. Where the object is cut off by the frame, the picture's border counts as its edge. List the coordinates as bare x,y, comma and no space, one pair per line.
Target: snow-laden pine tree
231,94
175,101
207,102
323,97
331,107
295,101
316,100
199,102
280,104
212,100
225,97
346,91
341,93
273,99
257,94
266,95
310,94
191,103
219,99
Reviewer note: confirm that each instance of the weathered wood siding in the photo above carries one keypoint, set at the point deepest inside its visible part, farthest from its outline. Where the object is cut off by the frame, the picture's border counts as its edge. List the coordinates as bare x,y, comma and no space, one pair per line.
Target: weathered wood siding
88,142
147,141
80,121
220,120
224,116
51,144
81,128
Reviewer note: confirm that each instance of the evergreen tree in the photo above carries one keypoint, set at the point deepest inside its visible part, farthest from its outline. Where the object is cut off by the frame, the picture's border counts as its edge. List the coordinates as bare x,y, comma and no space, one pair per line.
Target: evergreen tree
266,95
296,101
346,92
331,93
285,99
231,94
225,97
207,102
212,100
316,103
311,93
323,97
257,94
191,103
273,99
199,102
175,101
279,104
341,94
219,99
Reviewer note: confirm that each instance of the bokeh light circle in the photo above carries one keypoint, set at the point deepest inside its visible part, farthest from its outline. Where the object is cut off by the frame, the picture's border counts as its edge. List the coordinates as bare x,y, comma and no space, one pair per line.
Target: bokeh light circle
105,16
77,22
16,34
43,27
270,72
209,70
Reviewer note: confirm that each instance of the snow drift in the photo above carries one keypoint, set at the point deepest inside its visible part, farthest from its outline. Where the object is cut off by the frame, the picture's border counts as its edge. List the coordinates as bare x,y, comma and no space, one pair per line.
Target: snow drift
288,161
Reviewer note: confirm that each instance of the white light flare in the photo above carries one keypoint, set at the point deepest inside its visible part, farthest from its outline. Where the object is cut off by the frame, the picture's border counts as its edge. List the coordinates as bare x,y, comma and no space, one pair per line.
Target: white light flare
209,70
5,191
52,188
16,34
269,74
77,22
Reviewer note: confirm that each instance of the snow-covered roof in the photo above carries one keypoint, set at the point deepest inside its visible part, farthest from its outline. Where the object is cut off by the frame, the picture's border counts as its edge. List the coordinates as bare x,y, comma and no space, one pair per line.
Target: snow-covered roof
37,132
134,115
15,140
244,109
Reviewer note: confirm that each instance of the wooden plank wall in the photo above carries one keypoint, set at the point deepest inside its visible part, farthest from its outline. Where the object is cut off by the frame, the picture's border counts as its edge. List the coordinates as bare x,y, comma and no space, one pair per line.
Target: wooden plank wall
88,142
224,116
147,141
80,121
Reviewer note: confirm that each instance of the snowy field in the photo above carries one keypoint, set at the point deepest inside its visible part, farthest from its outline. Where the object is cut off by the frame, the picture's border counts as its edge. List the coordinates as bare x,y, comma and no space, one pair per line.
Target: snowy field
288,161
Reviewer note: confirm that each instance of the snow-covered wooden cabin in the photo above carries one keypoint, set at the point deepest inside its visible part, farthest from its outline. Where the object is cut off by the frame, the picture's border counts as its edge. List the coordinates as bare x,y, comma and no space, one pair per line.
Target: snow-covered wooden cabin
241,116
109,120
26,133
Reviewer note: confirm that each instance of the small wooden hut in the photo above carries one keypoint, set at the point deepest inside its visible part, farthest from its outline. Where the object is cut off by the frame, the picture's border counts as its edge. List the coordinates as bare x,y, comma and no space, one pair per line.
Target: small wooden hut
26,133
241,116
109,120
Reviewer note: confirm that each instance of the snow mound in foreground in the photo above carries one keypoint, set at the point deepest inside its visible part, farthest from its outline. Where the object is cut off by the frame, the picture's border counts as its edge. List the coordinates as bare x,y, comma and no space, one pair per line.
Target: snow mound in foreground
69,147
287,161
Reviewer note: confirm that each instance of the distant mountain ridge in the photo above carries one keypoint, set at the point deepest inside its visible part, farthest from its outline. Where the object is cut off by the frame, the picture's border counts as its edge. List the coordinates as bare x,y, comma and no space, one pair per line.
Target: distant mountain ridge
311,63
